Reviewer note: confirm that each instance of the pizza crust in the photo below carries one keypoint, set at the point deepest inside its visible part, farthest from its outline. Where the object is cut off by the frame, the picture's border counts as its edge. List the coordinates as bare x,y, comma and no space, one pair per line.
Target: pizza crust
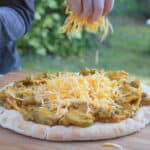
13,120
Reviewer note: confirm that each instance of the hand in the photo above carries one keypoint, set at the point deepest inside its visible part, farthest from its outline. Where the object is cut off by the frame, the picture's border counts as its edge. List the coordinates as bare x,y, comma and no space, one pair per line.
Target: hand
93,9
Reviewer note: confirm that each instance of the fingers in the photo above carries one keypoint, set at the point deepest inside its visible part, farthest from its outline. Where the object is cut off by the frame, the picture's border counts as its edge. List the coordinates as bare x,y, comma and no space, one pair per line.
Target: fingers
108,6
86,8
75,6
98,7
93,9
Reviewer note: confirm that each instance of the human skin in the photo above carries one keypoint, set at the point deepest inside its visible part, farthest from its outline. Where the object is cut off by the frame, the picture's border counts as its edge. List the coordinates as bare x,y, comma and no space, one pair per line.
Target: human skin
93,9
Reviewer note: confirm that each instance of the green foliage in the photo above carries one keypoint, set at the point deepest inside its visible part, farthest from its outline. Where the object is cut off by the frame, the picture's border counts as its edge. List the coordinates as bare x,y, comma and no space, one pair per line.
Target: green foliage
128,49
145,7
125,7
132,7
45,37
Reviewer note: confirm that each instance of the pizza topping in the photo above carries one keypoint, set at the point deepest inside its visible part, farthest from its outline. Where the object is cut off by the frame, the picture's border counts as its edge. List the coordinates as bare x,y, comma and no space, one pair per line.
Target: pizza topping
113,145
145,101
117,75
44,116
75,98
78,118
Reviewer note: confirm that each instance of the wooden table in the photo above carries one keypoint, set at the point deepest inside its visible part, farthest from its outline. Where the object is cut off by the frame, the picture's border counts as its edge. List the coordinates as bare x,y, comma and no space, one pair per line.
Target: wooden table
12,141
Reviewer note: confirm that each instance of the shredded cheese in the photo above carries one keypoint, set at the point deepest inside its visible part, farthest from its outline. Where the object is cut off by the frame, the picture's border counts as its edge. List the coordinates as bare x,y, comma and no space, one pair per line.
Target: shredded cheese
113,145
74,23
96,93
58,93
95,90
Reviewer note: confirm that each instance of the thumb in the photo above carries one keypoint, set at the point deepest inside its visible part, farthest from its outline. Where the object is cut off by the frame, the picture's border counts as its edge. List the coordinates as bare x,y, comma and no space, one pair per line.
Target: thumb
108,6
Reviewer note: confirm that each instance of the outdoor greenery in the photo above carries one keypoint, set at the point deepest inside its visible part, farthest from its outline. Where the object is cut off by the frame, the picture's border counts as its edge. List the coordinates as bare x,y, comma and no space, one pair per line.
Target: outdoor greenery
45,37
128,48
132,7
45,48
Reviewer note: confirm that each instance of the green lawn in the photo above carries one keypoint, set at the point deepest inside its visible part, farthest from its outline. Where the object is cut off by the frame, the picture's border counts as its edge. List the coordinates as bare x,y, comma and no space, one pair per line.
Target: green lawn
128,48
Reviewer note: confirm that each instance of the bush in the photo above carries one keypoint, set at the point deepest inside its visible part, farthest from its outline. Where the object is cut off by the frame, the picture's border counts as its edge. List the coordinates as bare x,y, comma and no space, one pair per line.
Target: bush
125,7
145,7
45,37
132,7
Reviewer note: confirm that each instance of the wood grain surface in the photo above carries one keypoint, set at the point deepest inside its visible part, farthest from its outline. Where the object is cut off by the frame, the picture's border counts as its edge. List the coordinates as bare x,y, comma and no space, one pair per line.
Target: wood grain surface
10,140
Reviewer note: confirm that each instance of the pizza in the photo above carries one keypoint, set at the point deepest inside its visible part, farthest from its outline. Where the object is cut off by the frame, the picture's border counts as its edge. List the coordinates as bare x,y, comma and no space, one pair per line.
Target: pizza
90,105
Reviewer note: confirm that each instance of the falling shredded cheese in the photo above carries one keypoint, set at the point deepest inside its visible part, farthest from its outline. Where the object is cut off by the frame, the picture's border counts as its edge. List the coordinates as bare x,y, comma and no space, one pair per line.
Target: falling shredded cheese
74,23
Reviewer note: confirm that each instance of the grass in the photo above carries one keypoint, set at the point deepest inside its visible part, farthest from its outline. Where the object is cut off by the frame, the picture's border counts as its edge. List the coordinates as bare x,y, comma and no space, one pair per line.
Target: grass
127,49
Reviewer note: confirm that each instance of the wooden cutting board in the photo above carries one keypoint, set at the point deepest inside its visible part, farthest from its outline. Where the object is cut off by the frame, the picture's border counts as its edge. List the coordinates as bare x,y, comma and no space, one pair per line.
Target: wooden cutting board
12,141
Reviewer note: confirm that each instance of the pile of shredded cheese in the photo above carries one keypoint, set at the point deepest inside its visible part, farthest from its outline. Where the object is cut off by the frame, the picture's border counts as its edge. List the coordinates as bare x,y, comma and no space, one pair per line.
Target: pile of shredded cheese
74,23
58,93
105,96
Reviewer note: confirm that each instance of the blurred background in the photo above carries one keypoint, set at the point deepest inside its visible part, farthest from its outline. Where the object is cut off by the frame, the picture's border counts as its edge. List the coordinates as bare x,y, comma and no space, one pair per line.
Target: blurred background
45,48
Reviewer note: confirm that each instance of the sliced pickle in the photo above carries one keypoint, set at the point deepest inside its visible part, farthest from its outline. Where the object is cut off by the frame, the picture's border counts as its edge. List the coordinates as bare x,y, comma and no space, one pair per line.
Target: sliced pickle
80,106
86,72
78,118
117,75
44,116
145,101
135,84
